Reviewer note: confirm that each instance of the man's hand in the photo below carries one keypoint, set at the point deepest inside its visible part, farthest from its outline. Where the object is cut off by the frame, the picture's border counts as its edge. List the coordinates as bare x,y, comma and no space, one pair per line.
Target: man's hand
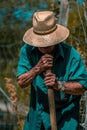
45,62
50,80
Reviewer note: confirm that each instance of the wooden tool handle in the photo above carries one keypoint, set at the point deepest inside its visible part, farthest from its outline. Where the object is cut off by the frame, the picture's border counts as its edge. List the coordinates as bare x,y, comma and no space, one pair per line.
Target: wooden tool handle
52,107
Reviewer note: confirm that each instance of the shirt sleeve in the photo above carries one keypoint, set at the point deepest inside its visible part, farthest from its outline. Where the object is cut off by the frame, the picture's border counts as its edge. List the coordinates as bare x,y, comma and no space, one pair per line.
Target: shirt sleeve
77,72
24,64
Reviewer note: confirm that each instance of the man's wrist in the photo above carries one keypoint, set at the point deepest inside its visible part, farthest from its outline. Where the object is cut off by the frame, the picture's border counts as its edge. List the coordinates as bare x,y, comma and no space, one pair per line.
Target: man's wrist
61,86
37,70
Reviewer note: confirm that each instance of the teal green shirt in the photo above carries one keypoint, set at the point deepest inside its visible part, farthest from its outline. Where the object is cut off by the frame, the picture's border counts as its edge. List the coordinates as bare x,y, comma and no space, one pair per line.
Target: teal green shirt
68,66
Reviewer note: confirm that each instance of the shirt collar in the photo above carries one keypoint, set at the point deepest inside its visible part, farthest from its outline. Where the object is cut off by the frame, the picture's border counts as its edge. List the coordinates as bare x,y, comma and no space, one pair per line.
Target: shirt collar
33,48
59,51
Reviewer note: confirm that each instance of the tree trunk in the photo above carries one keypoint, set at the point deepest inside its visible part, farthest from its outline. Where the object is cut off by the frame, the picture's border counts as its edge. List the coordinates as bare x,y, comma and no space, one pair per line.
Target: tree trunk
64,11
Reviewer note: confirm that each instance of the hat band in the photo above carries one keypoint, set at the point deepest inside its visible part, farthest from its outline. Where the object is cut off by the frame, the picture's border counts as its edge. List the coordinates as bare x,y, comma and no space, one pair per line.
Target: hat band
45,32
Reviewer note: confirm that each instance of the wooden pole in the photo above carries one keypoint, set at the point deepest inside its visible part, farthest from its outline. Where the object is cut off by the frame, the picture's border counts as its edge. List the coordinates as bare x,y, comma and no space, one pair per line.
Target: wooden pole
64,11
51,94
52,107
63,20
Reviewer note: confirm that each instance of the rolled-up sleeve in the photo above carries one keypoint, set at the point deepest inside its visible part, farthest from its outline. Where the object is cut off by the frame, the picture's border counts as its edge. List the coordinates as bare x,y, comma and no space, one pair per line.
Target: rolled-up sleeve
77,72
24,64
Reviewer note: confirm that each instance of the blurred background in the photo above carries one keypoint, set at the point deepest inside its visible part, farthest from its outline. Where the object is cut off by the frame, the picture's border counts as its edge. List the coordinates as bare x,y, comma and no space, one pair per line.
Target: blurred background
15,19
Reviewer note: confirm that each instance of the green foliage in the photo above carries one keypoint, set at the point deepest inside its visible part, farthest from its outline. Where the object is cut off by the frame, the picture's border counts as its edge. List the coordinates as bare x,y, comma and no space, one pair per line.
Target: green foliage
9,35
76,23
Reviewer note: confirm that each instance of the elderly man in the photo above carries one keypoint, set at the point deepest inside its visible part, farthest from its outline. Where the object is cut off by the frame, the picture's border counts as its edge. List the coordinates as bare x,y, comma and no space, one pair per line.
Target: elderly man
68,77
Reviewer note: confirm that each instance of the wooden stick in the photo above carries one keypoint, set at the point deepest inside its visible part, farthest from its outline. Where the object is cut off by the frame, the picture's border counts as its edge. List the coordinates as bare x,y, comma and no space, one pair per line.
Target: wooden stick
52,107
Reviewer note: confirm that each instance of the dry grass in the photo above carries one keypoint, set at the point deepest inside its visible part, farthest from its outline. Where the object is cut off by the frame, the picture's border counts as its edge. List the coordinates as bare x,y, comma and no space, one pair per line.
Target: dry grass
11,88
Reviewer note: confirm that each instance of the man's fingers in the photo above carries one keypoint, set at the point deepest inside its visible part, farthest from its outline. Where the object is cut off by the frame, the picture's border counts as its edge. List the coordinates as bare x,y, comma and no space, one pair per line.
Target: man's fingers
47,60
48,56
49,74
52,78
49,84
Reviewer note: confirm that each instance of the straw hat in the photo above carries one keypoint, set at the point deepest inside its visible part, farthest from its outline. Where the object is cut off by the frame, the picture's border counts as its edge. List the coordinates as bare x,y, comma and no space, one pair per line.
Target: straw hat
45,32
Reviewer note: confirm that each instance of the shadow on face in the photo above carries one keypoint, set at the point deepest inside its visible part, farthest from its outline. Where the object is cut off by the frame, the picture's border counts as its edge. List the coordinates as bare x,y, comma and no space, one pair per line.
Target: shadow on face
47,50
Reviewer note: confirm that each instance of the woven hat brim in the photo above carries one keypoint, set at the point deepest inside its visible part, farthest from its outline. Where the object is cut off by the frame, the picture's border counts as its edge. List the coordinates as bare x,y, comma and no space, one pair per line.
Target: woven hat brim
60,34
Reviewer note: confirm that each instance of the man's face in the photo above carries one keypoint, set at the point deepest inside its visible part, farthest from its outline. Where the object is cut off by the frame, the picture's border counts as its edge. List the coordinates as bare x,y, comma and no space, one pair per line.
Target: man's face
47,50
